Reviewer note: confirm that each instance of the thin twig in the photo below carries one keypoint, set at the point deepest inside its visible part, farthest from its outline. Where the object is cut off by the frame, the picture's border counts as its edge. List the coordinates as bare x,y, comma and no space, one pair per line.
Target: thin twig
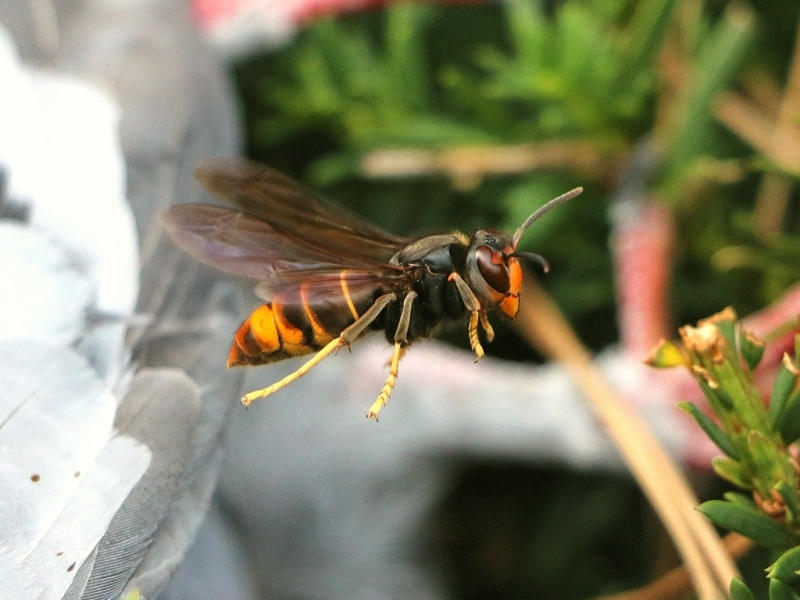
746,120
467,165
763,91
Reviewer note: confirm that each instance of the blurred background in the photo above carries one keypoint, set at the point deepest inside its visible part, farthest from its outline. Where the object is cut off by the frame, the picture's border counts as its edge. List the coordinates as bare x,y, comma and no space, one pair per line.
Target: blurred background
679,118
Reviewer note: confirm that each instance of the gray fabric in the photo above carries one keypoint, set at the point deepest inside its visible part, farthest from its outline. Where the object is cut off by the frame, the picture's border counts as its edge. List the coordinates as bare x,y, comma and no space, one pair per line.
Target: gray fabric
160,410
63,471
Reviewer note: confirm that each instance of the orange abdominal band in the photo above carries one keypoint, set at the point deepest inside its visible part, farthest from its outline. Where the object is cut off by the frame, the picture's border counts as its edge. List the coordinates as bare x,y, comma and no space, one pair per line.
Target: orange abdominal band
257,335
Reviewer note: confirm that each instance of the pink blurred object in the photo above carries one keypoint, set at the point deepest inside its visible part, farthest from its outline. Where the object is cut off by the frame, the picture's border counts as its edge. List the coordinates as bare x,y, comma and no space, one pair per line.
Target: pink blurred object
642,242
242,26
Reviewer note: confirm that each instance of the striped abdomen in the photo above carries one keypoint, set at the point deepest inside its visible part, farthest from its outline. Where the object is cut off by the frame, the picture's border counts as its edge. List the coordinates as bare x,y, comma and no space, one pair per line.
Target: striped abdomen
279,329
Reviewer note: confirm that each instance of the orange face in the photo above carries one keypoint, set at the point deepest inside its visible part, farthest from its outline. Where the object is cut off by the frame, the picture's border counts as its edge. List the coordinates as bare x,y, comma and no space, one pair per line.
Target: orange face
510,303
500,274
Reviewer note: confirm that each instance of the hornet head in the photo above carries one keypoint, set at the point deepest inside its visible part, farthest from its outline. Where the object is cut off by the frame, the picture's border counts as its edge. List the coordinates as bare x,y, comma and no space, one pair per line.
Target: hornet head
493,269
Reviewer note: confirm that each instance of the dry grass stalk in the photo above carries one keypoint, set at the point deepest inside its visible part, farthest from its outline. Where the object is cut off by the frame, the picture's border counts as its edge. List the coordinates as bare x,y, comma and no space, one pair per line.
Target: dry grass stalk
468,165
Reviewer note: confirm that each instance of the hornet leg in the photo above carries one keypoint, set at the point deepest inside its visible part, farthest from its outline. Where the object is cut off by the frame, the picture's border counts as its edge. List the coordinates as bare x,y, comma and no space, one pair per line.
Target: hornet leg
400,342
474,306
487,327
347,337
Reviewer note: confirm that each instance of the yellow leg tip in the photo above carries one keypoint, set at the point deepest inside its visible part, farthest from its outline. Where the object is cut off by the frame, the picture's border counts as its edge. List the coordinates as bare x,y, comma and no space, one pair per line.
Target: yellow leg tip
376,407
383,398
487,326
479,354
474,339
247,399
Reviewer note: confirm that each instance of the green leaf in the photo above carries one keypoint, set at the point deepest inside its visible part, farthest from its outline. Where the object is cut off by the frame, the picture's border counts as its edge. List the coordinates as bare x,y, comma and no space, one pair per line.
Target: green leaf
406,63
741,394
781,389
767,459
731,470
789,494
751,348
644,33
749,522
740,500
786,567
727,327
789,423
528,29
767,462
711,429
778,590
740,591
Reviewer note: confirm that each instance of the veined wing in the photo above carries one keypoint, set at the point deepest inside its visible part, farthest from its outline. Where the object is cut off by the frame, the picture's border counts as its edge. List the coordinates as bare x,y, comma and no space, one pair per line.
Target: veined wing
289,206
242,245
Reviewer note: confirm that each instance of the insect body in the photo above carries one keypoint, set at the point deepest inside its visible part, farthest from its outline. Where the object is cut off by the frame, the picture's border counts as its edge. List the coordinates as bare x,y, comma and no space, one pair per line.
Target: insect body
328,276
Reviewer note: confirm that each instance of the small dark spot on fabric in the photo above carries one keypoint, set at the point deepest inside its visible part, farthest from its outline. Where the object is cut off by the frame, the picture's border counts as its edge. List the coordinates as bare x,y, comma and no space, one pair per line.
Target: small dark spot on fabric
35,477
59,554
69,568
77,473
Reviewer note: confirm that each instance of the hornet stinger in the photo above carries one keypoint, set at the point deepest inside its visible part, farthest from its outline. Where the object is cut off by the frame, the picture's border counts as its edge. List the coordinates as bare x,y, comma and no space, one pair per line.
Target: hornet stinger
327,276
